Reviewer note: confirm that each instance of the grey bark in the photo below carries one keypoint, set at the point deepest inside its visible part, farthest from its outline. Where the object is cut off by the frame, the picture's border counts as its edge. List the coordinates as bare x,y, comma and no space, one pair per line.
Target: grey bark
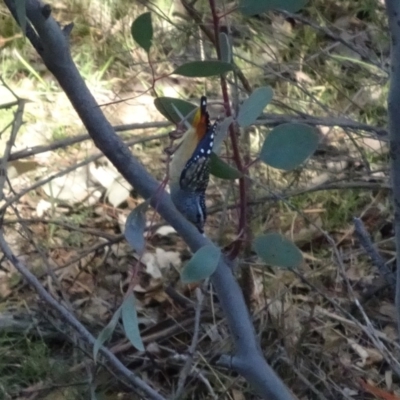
393,12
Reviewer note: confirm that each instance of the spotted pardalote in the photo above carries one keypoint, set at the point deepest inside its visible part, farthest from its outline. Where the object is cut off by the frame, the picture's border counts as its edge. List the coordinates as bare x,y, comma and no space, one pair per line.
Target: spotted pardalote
190,167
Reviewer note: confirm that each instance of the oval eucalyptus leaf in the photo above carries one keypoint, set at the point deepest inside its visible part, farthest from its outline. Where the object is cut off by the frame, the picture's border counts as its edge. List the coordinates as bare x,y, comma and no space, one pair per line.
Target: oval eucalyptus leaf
252,107
223,170
134,227
202,265
226,47
165,105
20,8
288,145
106,333
274,249
142,31
202,69
131,323
253,7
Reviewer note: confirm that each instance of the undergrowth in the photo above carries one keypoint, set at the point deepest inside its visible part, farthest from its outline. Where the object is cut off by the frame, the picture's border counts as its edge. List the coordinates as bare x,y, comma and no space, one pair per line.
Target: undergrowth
301,331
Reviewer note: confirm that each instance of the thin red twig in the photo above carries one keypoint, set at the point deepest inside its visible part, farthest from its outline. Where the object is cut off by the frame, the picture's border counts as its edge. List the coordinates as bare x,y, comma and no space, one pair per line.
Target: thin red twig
236,246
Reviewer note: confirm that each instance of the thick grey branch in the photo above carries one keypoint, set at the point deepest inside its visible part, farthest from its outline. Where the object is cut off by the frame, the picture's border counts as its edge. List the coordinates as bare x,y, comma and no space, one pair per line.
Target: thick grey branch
393,12
54,50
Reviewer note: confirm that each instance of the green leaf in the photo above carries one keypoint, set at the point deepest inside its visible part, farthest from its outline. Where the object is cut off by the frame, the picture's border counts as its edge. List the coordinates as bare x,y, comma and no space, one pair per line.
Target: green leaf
253,7
276,250
202,265
134,227
106,333
165,106
226,47
20,7
288,145
131,323
142,31
223,170
202,69
252,107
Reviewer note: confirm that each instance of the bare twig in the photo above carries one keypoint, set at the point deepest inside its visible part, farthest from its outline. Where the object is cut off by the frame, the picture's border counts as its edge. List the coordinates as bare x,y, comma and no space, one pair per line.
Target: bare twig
285,358
63,224
326,31
197,17
68,170
333,185
60,144
42,182
233,135
188,363
368,329
370,249
133,380
277,119
16,125
373,334
9,105
196,373
49,270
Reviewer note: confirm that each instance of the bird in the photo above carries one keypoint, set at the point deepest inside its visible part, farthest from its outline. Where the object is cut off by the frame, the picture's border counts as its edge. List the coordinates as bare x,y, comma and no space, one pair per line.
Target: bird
190,167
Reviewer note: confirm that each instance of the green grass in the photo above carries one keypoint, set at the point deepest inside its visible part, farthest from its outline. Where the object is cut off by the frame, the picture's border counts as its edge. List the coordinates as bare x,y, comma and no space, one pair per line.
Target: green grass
59,133
23,362
339,206
32,363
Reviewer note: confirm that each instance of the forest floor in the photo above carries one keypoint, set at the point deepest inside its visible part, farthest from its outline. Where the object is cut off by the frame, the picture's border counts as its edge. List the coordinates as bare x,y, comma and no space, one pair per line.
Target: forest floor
327,328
